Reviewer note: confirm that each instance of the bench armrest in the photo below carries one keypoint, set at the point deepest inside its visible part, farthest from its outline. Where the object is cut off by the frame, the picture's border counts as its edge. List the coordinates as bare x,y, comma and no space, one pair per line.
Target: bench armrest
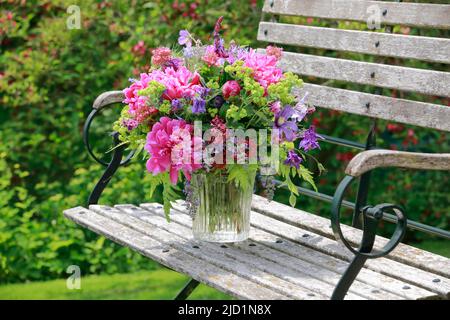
372,159
107,98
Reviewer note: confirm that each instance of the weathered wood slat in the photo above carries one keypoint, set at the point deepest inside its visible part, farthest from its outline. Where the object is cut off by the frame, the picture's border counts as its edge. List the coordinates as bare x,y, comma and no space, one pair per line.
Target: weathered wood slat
376,43
410,14
271,259
199,269
214,254
372,159
428,82
317,261
107,98
403,253
429,281
400,110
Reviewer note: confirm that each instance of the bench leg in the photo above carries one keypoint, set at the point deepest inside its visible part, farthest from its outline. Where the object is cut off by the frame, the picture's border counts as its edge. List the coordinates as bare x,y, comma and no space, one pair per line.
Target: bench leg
187,290
109,172
348,277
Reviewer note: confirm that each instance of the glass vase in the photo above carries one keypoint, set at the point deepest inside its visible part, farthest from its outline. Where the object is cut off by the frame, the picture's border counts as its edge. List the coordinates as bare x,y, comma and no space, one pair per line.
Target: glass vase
223,209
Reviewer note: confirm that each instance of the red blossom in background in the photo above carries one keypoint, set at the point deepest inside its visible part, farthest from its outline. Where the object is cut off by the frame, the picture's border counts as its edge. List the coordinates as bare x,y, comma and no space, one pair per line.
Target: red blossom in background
139,49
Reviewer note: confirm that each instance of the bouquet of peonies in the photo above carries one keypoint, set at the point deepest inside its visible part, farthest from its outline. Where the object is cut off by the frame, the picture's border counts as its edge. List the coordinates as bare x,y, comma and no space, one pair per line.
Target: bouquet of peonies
210,110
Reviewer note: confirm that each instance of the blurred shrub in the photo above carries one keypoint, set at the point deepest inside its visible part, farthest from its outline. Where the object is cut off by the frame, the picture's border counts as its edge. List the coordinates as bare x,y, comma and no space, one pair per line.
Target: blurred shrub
49,77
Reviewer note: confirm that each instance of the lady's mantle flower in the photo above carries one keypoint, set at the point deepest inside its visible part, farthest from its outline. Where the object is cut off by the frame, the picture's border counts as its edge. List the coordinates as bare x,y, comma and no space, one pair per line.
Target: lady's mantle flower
293,159
287,127
309,139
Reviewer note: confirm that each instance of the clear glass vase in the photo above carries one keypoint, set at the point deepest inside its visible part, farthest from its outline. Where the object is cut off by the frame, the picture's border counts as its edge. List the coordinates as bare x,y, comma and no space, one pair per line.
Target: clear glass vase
223,209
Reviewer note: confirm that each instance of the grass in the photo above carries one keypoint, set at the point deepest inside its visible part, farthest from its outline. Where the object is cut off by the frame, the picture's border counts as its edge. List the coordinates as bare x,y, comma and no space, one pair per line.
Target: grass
159,284
146,285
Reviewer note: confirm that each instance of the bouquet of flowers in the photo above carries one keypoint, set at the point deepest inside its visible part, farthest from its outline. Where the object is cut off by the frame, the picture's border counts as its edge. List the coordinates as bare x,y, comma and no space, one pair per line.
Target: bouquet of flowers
187,111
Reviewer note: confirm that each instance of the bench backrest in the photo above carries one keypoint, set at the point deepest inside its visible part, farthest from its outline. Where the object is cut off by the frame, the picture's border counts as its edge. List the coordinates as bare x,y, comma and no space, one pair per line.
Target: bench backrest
426,82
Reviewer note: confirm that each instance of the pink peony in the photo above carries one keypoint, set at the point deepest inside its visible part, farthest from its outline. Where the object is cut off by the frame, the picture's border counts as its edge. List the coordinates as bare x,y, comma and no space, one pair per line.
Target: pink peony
230,89
171,148
264,67
181,83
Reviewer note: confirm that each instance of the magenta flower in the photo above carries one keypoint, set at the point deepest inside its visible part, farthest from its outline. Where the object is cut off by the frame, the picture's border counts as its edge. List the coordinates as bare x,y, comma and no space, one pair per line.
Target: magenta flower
171,149
231,89
264,67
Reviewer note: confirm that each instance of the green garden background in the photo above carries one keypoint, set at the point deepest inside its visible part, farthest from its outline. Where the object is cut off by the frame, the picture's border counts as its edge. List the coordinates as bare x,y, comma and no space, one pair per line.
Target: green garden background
49,77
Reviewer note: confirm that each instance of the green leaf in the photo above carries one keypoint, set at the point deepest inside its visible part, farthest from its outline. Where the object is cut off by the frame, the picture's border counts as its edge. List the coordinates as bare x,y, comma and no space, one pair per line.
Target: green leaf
292,200
307,176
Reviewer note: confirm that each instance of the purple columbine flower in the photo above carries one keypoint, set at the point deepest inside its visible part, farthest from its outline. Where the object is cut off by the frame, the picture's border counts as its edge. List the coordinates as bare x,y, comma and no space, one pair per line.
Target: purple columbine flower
173,63
293,159
309,139
199,106
184,38
287,127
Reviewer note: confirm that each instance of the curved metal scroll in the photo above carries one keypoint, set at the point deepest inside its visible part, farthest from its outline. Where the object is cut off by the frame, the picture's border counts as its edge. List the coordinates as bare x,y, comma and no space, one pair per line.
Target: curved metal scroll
370,212
371,217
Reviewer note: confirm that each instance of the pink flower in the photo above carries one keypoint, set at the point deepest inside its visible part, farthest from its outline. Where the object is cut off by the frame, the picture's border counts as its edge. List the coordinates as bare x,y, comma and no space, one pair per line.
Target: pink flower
180,83
275,107
264,67
161,55
211,57
274,51
230,89
172,148
139,48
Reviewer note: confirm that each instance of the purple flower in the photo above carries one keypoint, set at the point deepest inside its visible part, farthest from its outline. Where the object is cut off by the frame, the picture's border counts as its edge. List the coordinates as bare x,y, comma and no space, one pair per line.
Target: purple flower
130,124
176,104
188,52
199,106
288,128
185,38
174,63
309,139
293,159
218,101
301,110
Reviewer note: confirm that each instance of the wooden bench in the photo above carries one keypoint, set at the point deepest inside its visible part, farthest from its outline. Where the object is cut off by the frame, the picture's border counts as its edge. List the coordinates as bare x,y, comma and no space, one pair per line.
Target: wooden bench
293,254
